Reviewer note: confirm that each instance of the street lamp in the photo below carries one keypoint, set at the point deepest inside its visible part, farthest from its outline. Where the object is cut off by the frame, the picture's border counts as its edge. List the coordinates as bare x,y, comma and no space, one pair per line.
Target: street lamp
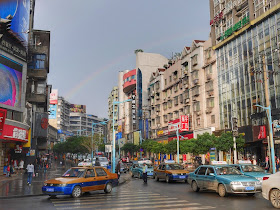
177,134
268,113
92,133
114,137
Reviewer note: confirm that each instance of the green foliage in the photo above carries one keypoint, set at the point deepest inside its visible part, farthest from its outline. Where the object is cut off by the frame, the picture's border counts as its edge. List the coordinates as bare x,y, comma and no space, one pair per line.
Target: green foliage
159,148
224,142
129,147
148,145
203,143
171,147
187,146
138,50
240,142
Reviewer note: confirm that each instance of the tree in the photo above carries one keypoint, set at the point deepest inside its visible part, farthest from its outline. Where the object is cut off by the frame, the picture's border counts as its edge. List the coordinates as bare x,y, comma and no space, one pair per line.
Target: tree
224,142
240,141
203,143
187,146
171,147
138,50
130,147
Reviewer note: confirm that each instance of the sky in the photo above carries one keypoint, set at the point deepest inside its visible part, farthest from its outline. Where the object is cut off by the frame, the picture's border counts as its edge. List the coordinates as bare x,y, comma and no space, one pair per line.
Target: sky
92,40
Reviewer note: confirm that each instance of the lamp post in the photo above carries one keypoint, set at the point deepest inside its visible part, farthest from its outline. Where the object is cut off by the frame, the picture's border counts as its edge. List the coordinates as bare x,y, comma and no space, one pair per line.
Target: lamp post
268,113
114,137
92,133
177,134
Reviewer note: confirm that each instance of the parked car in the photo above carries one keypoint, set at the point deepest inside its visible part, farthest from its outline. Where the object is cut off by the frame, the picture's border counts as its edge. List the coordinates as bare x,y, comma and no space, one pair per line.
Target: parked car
145,160
223,179
136,170
170,171
77,180
85,162
251,170
271,189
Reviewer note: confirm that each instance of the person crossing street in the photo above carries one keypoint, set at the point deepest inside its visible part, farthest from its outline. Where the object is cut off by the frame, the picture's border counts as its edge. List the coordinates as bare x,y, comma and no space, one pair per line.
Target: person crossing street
145,170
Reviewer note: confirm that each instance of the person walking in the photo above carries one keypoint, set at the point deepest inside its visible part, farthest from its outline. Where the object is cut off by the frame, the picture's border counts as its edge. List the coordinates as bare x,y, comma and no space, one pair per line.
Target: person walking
30,171
21,166
118,169
8,174
145,171
277,164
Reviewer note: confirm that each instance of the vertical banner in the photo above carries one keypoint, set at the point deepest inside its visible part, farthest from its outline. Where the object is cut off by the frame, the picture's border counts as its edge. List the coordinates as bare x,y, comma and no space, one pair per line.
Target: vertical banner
185,123
3,114
133,110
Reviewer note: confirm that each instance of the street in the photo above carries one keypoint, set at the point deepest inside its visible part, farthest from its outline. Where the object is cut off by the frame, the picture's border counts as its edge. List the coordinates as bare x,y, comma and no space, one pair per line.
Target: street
136,195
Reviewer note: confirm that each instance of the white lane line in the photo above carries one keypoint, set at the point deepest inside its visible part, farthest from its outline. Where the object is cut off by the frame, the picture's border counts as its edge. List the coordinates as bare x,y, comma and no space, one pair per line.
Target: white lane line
131,204
198,207
116,201
106,198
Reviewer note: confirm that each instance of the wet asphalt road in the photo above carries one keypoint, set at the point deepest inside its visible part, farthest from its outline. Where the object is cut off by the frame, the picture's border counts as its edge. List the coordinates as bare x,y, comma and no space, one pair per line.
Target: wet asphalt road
136,195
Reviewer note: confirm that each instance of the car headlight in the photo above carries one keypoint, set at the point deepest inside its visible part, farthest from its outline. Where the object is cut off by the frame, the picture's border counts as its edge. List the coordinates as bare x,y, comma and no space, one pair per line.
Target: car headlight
259,178
62,185
235,183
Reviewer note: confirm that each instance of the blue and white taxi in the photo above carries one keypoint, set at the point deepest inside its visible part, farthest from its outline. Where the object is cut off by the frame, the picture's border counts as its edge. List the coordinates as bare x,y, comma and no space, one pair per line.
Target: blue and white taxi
223,179
247,168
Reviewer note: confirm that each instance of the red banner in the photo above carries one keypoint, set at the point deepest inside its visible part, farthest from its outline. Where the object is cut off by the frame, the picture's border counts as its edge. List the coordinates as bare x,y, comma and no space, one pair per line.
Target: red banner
262,133
14,133
185,123
3,114
184,137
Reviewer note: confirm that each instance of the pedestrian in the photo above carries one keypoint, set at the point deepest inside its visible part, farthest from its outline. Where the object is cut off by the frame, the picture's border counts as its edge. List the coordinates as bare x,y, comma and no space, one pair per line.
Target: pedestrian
30,171
97,163
145,171
21,165
267,164
118,169
45,166
15,166
8,174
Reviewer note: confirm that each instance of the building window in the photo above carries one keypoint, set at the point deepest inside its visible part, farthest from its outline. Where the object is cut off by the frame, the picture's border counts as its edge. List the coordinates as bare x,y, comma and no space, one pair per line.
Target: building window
196,106
198,122
210,102
212,119
165,81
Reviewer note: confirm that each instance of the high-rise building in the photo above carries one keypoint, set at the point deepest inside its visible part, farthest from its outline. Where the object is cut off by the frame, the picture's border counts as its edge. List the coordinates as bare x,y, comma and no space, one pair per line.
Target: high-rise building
114,96
245,35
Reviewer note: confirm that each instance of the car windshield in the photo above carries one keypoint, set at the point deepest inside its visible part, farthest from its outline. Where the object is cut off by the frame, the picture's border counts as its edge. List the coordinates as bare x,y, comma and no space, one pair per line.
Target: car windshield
227,171
173,167
74,172
252,168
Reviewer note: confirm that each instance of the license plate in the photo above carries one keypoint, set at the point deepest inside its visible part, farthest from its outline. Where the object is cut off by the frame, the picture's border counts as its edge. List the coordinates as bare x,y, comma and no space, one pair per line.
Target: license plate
249,188
50,189
149,174
182,177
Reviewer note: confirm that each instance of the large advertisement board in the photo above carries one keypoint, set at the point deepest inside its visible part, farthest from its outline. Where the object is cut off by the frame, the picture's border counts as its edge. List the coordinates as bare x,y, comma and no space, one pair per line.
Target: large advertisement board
54,96
52,111
19,10
78,108
10,82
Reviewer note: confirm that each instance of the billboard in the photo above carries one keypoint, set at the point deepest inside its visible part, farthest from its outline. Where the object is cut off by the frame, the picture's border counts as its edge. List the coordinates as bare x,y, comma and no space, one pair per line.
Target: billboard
54,96
52,111
3,114
10,82
20,12
41,124
78,108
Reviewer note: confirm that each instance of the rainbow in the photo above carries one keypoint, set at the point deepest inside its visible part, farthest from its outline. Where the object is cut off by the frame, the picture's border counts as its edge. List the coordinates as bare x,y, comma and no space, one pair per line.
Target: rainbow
149,46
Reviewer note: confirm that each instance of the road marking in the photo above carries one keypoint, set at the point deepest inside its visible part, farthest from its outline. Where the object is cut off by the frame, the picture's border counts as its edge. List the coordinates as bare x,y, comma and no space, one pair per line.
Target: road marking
132,204
118,201
107,199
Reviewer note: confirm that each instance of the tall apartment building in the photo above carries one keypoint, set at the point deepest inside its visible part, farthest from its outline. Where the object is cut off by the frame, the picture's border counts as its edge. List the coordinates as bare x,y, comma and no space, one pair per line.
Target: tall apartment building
63,114
188,86
243,31
114,96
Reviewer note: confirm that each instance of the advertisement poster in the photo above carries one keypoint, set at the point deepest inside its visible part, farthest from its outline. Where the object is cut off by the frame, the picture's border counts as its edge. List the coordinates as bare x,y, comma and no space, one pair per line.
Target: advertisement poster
54,96
3,113
19,10
78,108
52,111
10,83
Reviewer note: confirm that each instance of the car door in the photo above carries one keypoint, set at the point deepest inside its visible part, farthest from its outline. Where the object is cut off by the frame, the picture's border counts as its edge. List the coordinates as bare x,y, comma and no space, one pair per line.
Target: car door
158,170
210,179
101,178
90,181
200,176
162,171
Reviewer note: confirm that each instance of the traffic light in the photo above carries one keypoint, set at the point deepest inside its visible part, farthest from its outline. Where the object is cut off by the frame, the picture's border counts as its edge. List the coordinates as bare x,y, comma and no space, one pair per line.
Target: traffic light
234,124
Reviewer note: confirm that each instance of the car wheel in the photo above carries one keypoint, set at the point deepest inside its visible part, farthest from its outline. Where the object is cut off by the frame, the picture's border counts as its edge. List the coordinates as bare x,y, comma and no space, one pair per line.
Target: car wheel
222,190
186,181
167,179
194,186
77,192
156,177
108,188
250,194
274,198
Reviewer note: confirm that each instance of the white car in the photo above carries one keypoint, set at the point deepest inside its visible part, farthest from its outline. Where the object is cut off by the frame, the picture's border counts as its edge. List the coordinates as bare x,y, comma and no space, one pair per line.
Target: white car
271,189
145,160
102,160
85,163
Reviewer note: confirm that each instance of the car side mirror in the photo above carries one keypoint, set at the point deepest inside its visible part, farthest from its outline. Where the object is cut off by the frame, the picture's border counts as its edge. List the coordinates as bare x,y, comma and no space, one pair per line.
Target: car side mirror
211,174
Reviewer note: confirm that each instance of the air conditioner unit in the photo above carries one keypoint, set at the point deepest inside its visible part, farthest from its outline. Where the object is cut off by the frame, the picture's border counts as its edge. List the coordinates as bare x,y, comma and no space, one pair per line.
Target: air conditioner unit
194,99
186,85
208,110
198,113
187,100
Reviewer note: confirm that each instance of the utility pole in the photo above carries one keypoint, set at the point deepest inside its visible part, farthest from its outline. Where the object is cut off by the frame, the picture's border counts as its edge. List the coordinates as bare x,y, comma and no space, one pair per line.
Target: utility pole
268,111
235,134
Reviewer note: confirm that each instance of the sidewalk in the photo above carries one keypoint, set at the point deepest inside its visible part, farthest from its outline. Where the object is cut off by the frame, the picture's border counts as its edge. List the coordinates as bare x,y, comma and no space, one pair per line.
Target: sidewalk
16,186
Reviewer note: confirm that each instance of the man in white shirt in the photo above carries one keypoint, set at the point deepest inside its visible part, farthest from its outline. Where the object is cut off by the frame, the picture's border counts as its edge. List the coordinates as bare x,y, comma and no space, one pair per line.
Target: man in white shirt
30,171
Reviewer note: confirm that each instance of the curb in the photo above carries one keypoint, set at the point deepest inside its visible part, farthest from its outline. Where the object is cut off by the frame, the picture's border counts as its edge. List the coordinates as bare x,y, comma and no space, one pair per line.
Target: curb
37,195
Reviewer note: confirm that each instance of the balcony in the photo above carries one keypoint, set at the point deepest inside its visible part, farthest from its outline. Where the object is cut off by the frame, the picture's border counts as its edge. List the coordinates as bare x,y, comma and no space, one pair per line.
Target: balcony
208,110
195,82
187,101
240,4
210,93
129,86
36,98
37,73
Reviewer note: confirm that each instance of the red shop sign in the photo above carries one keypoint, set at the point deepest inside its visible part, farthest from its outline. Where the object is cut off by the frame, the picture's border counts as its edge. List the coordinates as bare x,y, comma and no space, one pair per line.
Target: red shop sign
185,123
3,114
14,133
